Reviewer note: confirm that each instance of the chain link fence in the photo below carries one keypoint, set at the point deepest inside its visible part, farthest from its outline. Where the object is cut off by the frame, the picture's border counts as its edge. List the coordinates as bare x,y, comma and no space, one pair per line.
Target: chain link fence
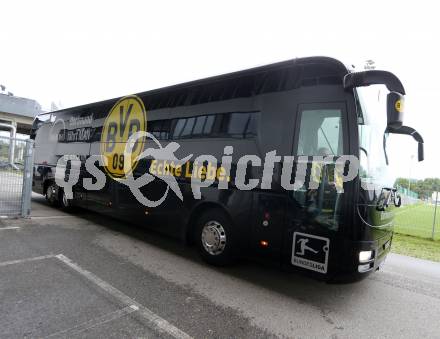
16,162
420,218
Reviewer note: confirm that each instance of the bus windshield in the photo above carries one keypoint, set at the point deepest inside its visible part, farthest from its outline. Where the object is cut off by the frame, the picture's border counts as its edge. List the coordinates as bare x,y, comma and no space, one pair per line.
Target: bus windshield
372,123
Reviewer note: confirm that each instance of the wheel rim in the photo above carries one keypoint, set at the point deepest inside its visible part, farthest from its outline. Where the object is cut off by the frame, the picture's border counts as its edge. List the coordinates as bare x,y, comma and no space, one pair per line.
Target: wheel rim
49,193
213,238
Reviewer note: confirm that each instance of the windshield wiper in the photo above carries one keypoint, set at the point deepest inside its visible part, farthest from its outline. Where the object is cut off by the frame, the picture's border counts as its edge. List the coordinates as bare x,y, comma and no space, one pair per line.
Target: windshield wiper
328,143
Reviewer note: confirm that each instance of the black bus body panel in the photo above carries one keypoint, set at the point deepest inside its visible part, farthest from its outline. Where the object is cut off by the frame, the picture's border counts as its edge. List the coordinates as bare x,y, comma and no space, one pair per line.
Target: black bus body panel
274,94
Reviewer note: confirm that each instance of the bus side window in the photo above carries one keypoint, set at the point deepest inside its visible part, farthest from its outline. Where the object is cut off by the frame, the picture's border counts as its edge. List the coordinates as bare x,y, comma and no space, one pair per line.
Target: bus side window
207,129
221,125
178,128
320,132
198,128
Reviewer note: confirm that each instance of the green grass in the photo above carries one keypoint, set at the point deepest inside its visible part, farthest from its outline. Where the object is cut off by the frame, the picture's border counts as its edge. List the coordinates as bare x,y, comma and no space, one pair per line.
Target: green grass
416,220
416,247
413,232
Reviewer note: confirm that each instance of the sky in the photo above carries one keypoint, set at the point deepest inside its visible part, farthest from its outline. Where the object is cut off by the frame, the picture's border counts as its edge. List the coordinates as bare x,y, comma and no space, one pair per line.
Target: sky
79,52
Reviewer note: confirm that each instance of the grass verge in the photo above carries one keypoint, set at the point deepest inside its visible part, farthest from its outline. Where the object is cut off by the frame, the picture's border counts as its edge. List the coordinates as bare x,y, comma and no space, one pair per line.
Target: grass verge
416,247
416,220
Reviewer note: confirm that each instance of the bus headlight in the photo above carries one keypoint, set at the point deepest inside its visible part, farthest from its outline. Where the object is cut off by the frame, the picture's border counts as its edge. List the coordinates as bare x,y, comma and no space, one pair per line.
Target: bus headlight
365,256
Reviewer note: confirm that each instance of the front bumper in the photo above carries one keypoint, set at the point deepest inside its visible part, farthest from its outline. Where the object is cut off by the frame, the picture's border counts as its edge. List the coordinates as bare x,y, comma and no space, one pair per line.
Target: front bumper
379,256
354,270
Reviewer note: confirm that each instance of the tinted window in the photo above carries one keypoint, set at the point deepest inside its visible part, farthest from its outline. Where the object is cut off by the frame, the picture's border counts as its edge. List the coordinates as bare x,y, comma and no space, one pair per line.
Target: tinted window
156,127
178,128
187,130
238,124
208,125
320,132
165,131
329,135
251,129
200,122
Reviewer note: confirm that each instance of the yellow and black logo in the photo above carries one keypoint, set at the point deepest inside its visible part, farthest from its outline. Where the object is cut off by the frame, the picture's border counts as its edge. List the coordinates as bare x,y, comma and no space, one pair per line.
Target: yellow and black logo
399,106
126,117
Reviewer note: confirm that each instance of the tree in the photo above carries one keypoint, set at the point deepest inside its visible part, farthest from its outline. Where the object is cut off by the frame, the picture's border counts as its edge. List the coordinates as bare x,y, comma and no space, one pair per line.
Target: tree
424,188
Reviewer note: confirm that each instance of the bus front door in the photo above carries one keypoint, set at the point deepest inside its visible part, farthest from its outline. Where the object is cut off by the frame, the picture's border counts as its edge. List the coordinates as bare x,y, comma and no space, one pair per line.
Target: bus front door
314,209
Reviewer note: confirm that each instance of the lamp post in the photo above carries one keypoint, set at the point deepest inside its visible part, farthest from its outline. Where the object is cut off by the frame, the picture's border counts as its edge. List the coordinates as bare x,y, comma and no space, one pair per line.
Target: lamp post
409,179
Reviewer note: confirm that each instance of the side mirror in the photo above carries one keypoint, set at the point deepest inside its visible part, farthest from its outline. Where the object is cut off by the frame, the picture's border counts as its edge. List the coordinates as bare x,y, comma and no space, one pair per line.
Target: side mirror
395,103
416,135
421,152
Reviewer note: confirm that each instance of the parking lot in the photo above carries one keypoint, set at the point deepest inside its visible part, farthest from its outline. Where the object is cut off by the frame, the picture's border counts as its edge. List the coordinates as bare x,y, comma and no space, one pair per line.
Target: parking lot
86,276
57,280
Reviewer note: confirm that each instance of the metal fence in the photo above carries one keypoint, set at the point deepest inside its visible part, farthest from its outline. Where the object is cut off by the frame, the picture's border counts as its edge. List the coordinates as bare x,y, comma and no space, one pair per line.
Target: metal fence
16,162
419,218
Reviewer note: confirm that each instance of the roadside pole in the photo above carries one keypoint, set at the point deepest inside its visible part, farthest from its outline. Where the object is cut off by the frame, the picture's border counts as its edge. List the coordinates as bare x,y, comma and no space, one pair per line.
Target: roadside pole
435,214
27,179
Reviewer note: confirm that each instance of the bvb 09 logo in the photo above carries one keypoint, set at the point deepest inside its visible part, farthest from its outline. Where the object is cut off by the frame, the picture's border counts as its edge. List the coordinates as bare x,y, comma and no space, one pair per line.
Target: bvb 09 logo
399,106
127,117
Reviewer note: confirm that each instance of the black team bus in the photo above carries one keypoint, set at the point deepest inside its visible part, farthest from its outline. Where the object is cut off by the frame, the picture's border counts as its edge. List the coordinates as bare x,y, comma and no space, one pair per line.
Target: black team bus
272,120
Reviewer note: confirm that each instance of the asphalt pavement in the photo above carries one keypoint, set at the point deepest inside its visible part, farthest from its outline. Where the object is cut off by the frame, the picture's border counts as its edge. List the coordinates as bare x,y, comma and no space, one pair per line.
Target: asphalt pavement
82,275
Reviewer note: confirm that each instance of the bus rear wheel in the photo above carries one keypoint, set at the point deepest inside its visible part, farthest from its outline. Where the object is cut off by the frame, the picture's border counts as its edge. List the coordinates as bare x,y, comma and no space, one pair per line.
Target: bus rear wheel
51,194
63,201
215,238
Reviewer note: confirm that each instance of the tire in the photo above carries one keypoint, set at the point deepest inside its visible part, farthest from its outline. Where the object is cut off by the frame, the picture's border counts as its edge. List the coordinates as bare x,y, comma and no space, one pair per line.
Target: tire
64,203
51,194
215,238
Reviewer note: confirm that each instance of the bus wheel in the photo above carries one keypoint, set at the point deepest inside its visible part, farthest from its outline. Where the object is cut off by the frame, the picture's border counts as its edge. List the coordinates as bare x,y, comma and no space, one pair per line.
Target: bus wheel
51,194
64,202
215,238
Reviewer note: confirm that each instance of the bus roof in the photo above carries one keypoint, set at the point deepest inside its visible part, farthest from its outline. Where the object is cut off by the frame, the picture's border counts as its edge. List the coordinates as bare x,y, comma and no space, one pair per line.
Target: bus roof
274,77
